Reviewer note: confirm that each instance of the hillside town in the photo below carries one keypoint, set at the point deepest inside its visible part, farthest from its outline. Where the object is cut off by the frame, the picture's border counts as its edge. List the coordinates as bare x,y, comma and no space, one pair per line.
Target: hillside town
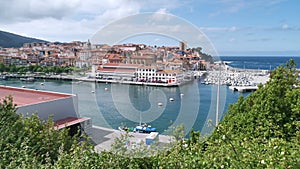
124,62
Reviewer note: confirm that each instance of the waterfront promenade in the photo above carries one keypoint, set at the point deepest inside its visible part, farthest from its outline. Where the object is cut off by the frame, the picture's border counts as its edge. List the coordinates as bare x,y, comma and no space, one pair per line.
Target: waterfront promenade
228,76
87,79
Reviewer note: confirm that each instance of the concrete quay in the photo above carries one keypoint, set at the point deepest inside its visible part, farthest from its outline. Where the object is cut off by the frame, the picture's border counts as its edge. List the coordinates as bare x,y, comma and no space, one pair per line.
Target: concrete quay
103,138
127,82
86,79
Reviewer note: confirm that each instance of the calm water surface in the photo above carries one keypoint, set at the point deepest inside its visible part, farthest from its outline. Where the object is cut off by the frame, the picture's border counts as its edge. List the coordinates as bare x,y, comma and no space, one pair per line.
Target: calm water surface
110,105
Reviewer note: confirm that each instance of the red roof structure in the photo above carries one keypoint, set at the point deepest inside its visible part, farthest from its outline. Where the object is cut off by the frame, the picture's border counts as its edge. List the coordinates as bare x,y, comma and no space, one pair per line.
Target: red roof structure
69,121
22,97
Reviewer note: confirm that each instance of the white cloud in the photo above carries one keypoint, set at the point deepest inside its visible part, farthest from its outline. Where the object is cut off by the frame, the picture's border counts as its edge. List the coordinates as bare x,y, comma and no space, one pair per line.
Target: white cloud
62,20
235,6
221,29
162,11
285,26
231,40
67,20
25,10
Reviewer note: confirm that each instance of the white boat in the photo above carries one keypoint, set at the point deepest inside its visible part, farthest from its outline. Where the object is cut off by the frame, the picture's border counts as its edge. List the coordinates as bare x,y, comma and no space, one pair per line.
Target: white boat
171,99
159,104
28,79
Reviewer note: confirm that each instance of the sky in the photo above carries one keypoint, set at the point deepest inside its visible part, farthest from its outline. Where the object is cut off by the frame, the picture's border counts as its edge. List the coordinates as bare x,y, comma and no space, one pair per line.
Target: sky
233,27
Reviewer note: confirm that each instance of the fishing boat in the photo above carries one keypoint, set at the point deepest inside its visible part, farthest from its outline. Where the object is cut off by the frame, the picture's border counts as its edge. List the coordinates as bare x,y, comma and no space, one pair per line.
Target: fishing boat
144,128
141,128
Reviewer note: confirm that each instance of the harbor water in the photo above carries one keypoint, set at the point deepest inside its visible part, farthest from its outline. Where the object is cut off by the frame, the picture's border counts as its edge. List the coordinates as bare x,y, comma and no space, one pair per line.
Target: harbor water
111,105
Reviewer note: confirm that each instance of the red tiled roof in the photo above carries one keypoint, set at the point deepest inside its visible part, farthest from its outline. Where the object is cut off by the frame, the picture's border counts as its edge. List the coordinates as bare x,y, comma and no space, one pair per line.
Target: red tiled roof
22,97
121,65
119,70
147,67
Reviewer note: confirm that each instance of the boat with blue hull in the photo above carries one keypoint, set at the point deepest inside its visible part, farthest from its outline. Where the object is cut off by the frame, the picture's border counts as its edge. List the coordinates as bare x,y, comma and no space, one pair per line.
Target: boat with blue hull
144,129
140,128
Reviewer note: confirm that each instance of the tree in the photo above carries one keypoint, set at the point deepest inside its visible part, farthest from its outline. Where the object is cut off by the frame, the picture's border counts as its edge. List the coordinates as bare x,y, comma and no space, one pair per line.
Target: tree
262,130
27,141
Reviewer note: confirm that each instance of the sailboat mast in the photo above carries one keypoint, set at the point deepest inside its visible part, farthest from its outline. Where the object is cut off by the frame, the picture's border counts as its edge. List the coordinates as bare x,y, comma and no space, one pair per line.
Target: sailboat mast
218,96
140,119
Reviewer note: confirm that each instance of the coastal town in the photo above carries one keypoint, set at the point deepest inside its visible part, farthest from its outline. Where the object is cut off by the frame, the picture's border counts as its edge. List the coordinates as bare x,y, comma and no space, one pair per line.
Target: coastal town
127,63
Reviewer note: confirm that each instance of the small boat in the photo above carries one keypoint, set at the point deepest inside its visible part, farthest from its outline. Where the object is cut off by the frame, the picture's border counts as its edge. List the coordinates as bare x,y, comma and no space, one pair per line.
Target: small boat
171,99
92,91
181,95
144,129
28,79
159,104
42,84
127,129
3,77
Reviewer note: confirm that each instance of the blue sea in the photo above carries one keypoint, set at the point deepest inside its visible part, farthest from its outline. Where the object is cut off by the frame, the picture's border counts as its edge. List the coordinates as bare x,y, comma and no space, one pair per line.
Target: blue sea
195,105
259,62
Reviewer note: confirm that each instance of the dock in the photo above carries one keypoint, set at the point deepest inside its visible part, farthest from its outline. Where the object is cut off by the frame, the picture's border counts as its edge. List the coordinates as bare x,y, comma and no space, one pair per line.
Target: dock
103,138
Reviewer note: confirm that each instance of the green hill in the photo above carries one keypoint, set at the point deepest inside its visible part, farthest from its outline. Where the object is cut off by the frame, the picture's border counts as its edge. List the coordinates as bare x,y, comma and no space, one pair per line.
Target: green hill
8,40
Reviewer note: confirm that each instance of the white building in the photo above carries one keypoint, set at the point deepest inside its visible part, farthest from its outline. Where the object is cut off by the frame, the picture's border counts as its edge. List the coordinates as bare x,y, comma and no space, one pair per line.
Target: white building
84,59
152,74
140,73
117,71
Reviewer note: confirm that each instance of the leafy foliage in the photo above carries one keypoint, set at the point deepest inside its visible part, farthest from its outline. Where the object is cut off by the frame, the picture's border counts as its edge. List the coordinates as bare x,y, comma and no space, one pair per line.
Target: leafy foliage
263,129
37,68
203,55
24,140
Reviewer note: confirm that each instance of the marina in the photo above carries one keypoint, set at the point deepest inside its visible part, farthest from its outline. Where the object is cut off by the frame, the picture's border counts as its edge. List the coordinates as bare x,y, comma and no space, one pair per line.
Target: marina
226,75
